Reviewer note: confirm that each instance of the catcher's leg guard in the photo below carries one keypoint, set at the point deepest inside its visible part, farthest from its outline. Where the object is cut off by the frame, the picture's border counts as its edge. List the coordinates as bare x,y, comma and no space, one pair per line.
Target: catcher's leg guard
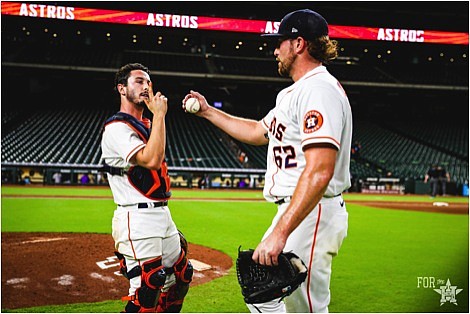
171,301
134,272
153,278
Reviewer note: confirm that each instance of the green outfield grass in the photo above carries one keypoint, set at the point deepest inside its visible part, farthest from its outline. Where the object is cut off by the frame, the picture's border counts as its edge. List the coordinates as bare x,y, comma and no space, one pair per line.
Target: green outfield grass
377,269
105,192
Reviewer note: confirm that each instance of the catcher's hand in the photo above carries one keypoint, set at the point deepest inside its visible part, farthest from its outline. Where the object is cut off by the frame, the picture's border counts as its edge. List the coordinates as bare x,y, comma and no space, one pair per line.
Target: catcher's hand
261,283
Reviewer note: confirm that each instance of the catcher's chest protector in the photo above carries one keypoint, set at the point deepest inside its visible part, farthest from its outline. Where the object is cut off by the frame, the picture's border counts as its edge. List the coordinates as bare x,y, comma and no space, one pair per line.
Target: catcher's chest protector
154,184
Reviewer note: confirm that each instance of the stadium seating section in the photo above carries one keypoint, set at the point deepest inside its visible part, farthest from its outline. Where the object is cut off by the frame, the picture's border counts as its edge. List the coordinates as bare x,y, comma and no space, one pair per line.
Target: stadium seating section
72,137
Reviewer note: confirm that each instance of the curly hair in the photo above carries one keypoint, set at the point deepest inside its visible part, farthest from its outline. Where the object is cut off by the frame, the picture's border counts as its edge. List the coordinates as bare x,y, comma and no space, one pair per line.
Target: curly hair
323,49
124,72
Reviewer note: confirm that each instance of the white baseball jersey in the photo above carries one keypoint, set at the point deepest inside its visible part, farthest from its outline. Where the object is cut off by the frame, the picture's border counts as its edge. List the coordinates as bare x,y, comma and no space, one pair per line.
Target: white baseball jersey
119,143
315,109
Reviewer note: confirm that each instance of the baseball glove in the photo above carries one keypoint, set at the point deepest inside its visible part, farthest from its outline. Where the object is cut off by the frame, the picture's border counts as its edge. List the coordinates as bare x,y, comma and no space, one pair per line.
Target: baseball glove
261,283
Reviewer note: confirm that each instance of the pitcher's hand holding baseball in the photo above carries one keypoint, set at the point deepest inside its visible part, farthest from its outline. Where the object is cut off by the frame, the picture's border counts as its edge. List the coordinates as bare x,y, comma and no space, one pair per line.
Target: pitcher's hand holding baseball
202,102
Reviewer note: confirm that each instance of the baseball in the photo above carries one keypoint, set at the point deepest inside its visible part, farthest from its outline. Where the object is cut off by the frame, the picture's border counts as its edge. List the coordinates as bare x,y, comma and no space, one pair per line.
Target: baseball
192,105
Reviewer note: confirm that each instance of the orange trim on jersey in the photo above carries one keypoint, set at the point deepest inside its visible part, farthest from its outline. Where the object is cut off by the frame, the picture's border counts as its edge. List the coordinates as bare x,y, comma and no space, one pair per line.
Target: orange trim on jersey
134,151
129,233
312,252
277,170
265,124
320,137
141,136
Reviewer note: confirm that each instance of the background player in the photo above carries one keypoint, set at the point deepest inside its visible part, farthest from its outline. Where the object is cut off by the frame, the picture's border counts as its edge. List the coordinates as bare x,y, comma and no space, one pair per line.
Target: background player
437,175
146,238
309,134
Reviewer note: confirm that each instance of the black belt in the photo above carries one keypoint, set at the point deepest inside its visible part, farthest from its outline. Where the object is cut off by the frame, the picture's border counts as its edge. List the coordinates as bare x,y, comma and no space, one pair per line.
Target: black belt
283,200
148,205
326,196
155,204
288,198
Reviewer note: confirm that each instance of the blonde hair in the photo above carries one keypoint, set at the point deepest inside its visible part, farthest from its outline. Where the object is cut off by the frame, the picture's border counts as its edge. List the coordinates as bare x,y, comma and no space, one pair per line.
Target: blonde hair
323,48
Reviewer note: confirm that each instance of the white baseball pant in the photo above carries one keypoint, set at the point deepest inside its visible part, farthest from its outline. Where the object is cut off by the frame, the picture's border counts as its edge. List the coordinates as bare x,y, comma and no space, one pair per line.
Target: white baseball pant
316,241
142,234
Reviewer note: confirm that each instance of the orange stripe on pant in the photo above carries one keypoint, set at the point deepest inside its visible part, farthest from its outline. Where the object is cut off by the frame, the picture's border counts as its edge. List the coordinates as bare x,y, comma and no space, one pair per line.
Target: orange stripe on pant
129,233
311,259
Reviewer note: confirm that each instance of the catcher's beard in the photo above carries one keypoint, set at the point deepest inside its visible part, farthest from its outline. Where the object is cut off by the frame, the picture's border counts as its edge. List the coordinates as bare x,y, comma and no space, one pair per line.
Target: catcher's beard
135,100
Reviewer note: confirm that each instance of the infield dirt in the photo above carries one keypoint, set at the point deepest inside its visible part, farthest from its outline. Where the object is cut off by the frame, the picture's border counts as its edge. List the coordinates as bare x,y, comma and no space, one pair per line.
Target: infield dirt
62,268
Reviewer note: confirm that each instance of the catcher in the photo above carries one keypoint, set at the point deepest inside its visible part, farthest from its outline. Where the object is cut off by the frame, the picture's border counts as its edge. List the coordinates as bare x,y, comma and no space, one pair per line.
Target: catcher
151,251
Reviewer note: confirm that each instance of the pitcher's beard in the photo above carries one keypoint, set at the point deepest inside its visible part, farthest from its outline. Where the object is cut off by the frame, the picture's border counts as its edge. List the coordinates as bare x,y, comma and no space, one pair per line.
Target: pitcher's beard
282,70
285,67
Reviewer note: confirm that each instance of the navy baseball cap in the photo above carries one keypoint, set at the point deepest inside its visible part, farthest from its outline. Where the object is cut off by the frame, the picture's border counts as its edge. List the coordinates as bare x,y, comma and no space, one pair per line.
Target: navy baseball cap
304,23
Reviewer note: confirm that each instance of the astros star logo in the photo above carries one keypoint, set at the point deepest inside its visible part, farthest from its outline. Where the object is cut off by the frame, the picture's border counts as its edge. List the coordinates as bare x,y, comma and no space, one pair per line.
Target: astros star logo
448,293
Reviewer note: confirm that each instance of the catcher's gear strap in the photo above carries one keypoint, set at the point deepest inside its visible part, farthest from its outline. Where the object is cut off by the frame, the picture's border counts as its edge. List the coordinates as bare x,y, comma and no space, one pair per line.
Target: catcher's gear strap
260,283
134,272
183,242
152,280
171,301
154,184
